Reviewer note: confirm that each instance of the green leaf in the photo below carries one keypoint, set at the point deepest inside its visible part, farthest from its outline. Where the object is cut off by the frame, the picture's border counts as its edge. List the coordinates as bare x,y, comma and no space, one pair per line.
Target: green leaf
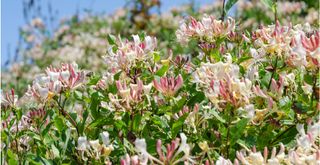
94,80
215,114
197,98
179,105
68,133
97,123
242,59
177,125
46,130
117,75
33,135
156,57
215,54
111,39
95,105
237,130
160,122
119,124
77,95
229,5
58,122
85,116
12,158
286,136
136,122
162,70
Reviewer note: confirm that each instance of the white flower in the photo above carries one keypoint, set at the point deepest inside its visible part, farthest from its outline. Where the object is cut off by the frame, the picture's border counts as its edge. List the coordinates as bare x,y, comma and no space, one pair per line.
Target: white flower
147,88
307,89
82,143
140,145
136,39
65,75
43,91
222,161
95,144
54,76
184,146
256,158
105,137
250,111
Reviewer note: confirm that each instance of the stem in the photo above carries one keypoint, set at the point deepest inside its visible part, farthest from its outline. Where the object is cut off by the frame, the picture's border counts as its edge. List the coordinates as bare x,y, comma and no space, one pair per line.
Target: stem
275,11
312,95
273,71
66,114
222,13
314,91
17,131
228,133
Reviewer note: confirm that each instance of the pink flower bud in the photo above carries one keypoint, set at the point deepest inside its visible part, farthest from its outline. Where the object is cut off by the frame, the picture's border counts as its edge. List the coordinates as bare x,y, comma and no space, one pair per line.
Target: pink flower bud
168,86
159,150
265,154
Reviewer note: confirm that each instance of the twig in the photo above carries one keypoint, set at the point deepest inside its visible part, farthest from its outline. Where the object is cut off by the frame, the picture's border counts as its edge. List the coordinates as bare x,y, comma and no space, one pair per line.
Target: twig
228,134
275,11
66,114
222,14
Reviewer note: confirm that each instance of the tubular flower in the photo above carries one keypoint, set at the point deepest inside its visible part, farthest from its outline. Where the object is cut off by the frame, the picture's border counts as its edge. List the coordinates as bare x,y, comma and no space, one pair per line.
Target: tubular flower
9,99
221,84
193,118
312,47
45,86
134,93
129,53
168,86
277,86
127,160
208,29
298,55
93,148
68,75
274,39
172,154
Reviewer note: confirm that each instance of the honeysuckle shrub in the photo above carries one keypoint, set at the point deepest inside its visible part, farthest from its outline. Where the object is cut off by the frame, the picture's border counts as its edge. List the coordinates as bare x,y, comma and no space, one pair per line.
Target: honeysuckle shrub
214,93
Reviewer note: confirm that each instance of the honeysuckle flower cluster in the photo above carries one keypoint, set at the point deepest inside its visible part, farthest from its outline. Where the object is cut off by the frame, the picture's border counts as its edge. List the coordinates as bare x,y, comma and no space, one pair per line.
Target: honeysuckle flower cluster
273,39
289,43
168,86
47,85
129,54
93,148
222,84
171,156
132,94
9,99
208,29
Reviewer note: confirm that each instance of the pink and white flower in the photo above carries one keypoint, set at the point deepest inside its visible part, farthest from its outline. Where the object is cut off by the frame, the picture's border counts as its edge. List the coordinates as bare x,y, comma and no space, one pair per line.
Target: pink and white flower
168,86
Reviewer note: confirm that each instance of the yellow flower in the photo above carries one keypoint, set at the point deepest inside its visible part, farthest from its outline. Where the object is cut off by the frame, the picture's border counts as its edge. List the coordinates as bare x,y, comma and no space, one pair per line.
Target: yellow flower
50,95
204,146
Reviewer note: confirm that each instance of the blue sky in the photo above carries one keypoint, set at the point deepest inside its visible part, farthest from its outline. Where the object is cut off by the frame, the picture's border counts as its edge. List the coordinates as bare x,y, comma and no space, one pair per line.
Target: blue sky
12,16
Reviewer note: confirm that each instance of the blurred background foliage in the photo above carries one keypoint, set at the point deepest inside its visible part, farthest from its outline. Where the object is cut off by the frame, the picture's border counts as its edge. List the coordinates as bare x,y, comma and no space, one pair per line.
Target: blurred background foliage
83,38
